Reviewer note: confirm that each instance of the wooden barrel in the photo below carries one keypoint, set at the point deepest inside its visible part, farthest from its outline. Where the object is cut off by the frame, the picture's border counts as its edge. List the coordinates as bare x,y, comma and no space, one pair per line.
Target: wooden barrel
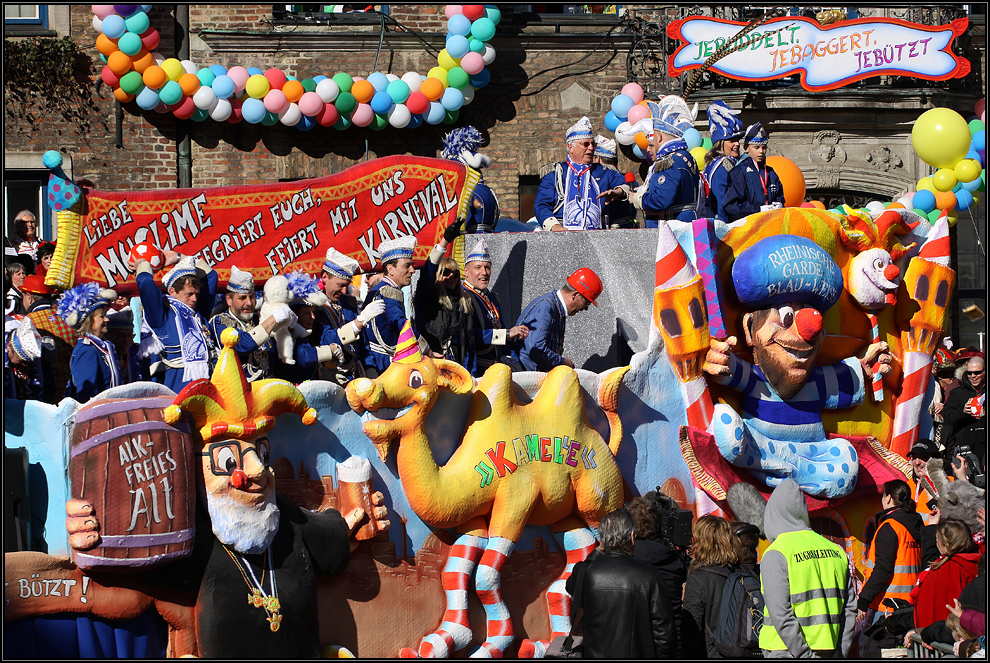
138,472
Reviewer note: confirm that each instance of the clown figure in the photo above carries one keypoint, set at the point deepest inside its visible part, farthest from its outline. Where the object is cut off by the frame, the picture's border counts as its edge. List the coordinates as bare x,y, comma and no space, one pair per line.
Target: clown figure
791,282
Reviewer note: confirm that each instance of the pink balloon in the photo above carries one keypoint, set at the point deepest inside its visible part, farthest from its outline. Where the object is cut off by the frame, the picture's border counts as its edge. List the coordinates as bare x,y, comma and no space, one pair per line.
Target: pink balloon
310,104
473,63
981,107
102,11
635,91
240,77
275,101
449,11
637,113
363,115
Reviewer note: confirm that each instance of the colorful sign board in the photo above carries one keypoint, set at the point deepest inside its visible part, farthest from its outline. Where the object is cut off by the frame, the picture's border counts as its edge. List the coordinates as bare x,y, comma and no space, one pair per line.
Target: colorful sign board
826,57
266,229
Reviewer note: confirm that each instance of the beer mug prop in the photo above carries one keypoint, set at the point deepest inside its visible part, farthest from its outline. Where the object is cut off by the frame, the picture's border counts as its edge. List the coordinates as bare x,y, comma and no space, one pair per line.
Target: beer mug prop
355,489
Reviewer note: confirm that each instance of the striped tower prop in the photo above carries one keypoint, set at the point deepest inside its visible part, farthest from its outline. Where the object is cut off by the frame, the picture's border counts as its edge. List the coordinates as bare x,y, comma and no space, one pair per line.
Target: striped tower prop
877,377
454,633
922,318
488,583
706,260
679,314
578,544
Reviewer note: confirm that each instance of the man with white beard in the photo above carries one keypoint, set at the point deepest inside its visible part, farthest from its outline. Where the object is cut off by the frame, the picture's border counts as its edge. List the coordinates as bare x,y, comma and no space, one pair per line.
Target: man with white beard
246,537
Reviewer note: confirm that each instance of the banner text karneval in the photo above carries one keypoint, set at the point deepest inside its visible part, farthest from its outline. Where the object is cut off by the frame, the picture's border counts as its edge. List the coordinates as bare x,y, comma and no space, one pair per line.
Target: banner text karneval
270,229
825,57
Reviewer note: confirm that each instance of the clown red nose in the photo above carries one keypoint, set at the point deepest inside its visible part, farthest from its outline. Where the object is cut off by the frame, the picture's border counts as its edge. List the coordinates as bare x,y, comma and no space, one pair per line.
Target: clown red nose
809,323
238,479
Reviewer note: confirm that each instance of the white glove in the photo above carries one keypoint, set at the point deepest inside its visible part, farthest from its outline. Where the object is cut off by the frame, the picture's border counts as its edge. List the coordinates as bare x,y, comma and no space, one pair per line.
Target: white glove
372,310
281,314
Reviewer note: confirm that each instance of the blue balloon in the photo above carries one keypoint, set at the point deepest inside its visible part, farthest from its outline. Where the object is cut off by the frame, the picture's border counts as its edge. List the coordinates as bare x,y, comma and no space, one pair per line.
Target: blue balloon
452,99
458,46
621,105
979,138
693,138
459,24
218,70
435,113
342,123
114,26
381,103
480,79
924,200
147,99
379,81
145,8
254,70
964,199
414,121
611,121
223,86
317,79
972,186
975,156
640,154
253,110
270,119
305,123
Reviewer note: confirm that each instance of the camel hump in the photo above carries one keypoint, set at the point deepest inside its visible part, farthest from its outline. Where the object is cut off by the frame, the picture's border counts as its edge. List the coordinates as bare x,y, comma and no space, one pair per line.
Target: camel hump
608,392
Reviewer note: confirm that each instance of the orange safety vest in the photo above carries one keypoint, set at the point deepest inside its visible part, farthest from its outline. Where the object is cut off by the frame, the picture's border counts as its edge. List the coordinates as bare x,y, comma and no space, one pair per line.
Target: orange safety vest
907,565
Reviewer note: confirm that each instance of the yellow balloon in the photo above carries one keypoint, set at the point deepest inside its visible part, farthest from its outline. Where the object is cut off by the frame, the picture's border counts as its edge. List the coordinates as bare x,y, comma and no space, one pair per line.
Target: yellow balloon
699,155
953,217
439,73
968,170
944,179
257,86
446,61
926,184
941,137
173,69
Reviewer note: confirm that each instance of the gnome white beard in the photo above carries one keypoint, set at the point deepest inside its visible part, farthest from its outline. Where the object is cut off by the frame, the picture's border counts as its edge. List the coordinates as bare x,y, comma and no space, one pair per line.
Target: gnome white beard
249,529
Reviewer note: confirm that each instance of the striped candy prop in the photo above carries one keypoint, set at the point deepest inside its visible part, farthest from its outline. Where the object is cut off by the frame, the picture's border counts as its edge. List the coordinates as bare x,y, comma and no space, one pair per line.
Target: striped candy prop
136,72
877,376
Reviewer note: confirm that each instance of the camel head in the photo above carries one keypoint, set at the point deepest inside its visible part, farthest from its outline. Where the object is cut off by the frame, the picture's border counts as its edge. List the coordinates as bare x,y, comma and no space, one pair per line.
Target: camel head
411,388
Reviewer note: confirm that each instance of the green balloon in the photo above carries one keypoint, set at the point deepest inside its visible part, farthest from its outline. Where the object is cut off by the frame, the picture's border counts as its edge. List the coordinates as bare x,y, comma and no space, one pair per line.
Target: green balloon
483,29
457,78
449,117
343,81
206,77
270,119
379,122
976,125
706,143
476,45
103,58
342,123
920,212
493,14
309,85
933,215
131,82
200,114
171,93
345,102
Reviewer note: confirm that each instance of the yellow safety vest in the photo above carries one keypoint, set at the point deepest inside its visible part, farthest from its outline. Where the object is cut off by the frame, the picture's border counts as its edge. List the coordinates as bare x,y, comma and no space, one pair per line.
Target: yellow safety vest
817,572
907,565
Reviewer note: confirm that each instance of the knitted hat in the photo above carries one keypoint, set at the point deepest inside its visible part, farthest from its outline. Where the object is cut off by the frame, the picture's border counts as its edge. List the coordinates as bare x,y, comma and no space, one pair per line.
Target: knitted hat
672,115
461,145
755,135
580,131
723,123
394,249
185,267
479,252
79,302
241,282
340,265
605,147
301,286
25,341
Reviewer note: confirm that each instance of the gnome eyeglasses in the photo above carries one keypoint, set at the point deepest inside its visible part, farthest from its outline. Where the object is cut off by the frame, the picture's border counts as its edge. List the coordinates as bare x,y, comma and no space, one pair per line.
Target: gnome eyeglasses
227,456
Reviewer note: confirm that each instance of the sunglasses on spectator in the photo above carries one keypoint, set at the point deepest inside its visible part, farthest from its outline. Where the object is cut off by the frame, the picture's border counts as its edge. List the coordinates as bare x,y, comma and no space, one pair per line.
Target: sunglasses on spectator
444,273
975,372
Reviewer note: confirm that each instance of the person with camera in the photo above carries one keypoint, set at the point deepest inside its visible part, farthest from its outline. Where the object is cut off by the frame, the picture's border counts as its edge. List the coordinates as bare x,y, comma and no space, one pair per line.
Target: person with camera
922,487
964,413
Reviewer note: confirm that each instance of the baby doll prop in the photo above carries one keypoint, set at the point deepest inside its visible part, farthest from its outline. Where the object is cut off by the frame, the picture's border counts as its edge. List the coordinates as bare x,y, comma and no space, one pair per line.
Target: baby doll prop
280,291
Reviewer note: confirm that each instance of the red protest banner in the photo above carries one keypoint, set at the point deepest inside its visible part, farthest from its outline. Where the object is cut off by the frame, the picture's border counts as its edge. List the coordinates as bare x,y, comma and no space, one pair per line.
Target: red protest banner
265,229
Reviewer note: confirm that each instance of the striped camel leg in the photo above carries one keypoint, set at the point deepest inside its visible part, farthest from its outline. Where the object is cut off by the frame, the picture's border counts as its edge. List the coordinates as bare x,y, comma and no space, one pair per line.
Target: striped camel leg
578,544
488,583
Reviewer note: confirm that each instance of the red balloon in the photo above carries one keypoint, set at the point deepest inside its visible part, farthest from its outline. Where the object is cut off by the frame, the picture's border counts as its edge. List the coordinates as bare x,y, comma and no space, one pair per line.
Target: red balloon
276,78
329,116
236,114
184,109
417,102
150,39
110,78
473,12
808,205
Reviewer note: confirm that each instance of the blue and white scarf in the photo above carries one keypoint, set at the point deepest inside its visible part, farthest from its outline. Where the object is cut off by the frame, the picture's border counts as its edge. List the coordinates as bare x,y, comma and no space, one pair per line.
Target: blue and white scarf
582,211
109,352
195,353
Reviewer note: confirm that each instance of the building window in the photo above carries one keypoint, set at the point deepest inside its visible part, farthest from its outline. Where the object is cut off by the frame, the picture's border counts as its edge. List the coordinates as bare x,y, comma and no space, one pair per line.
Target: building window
528,186
335,14
25,189
25,15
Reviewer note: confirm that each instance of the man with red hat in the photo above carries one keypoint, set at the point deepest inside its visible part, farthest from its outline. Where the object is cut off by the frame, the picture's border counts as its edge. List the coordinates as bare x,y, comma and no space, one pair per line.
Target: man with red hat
546,317
35,295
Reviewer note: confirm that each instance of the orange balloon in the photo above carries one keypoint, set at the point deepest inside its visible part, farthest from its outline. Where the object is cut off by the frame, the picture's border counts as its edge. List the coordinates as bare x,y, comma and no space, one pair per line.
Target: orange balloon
895,206
122,96
641,140
106,45
142,61
818,204
432,88
155,77
363,91
189,84
293,90
945,200
119,63
643,102
791,177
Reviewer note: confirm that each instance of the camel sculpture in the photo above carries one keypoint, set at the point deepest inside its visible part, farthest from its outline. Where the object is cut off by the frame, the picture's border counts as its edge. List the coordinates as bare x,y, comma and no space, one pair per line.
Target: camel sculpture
537,463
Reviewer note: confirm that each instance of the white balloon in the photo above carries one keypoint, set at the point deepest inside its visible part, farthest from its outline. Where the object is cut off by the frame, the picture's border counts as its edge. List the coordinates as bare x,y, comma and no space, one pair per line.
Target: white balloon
413,80
907,202
159,58
488,55
624,135
391,78
204,97
399,116
222,110
328,90
97,24
468,92
875,206
290,116
190,67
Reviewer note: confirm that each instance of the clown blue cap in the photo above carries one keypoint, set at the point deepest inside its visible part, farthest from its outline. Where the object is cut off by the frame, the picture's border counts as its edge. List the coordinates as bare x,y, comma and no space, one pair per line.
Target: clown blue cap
723,123
479,252
755,135
25,341
462,145
394,249
241,282
605,147
786,268
301,286
672,116
580,131
340,265
80,301
185,267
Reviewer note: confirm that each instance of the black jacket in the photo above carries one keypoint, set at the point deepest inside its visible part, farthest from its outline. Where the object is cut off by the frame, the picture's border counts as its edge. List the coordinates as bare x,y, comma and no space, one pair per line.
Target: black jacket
886,552
702,605
660,556
627,612
961,428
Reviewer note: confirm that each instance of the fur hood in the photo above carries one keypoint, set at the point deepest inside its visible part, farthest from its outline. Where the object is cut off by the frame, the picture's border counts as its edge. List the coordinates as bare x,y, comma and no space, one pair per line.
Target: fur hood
958,500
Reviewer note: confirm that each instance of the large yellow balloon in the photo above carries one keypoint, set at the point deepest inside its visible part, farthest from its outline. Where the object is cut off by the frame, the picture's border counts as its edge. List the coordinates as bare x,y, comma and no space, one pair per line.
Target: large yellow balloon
926,184
791,177
941,137
699,155
944,179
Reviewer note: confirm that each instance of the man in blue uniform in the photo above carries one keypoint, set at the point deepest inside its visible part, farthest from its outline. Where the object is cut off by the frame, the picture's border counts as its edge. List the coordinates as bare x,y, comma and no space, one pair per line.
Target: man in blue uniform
572,192
178,319
753,185
461,145
671,188
397,261
726,130
491,339
619,213
253,342
338,321
546,317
